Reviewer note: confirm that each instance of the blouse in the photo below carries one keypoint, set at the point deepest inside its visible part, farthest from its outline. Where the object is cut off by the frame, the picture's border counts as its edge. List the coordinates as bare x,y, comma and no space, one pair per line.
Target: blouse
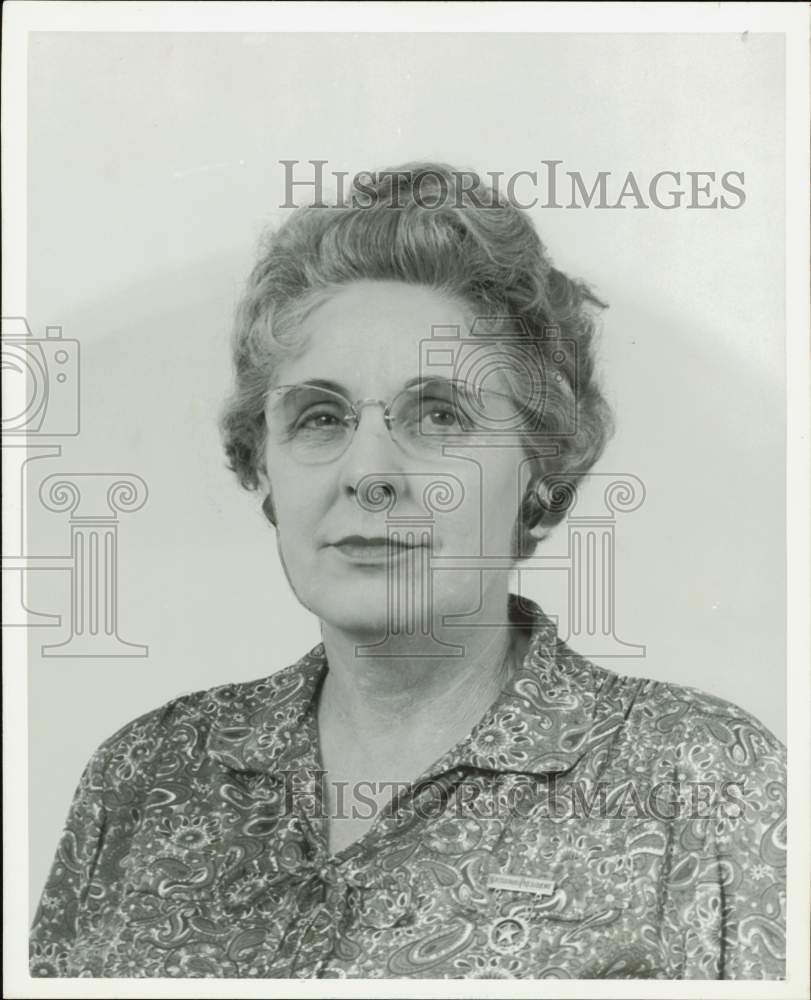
590,825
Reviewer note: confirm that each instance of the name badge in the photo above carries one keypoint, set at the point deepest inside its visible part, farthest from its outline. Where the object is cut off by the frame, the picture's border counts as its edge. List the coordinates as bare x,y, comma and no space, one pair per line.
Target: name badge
521,883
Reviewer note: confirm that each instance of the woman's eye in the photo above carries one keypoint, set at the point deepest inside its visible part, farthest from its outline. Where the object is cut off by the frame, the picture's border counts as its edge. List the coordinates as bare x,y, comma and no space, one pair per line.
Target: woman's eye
318,420
440,415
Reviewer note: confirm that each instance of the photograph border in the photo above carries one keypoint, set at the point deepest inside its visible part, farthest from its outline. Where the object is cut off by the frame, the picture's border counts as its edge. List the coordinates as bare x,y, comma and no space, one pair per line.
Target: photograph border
792,20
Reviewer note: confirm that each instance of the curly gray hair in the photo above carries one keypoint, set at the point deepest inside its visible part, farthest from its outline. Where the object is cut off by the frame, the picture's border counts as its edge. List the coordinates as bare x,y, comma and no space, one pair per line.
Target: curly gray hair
418,224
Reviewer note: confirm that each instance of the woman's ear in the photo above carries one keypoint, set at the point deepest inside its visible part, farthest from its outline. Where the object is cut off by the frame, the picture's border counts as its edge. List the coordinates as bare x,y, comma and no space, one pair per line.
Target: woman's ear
538,531
532,509
268,509
263,486
538,510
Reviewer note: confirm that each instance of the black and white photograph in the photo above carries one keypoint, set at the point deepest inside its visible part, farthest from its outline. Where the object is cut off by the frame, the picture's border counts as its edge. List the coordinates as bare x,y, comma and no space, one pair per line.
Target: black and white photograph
405,448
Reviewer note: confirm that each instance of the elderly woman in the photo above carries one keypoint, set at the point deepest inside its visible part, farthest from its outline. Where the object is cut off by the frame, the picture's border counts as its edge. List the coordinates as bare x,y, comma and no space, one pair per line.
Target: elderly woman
441,788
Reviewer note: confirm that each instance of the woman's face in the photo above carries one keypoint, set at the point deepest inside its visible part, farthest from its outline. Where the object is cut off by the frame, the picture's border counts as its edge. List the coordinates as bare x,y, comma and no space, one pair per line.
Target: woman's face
366,342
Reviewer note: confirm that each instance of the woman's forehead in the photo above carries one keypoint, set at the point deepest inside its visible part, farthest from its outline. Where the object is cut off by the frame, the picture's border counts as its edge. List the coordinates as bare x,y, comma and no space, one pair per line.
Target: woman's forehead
369,331
373,337
384,313
367,373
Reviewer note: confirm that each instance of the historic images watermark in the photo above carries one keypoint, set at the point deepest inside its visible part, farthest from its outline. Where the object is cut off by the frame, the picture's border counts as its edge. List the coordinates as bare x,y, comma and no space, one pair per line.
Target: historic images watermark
550,186
519,795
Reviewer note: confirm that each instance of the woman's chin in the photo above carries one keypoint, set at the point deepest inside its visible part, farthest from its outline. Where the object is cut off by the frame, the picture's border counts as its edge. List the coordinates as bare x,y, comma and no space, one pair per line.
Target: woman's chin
370,610
358,608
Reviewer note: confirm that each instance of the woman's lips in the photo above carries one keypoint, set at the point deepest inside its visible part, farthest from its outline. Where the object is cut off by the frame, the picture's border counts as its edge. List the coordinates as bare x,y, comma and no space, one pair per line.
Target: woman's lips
375,550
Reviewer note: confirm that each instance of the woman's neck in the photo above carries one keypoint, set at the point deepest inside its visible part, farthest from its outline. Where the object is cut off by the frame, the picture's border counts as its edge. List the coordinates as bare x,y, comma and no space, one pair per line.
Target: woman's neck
396,711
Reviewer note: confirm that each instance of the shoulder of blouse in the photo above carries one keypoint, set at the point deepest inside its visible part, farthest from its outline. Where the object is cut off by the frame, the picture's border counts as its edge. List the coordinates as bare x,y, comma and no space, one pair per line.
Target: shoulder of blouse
661,714
132,752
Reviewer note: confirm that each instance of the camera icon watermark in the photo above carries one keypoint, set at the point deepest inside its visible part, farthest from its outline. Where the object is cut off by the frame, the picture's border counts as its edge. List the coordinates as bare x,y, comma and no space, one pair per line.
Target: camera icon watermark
41,381
506,385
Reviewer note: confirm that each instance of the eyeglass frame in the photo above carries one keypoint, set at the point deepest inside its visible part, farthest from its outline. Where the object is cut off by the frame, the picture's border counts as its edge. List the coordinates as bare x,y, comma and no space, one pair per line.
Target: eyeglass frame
358,405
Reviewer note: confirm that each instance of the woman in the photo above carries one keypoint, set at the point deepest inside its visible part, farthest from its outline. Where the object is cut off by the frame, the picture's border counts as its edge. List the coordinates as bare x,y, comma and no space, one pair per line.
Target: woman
441,788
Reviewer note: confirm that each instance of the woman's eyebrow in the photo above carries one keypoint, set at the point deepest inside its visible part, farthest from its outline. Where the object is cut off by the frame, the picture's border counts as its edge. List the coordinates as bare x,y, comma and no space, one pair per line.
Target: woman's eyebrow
418,379
325,383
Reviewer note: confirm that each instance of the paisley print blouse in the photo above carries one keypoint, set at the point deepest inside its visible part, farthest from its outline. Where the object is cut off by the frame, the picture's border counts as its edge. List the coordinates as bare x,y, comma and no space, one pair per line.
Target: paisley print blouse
590,826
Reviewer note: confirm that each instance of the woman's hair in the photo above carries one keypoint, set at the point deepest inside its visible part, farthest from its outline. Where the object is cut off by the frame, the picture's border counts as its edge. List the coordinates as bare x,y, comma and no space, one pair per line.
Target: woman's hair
423,223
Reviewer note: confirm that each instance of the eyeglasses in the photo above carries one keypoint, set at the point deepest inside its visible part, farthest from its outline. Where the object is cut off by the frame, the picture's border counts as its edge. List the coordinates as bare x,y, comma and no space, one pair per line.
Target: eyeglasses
316,425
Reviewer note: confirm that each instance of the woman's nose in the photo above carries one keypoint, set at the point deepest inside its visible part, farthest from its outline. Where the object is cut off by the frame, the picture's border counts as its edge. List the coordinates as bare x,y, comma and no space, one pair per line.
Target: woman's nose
371,453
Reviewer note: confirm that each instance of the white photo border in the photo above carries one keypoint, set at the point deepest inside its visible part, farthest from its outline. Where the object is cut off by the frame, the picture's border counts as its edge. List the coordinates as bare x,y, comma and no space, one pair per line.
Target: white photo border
791,20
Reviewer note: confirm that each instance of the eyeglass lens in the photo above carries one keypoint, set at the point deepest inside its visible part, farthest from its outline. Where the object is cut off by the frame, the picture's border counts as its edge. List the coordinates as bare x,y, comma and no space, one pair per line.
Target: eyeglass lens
317,424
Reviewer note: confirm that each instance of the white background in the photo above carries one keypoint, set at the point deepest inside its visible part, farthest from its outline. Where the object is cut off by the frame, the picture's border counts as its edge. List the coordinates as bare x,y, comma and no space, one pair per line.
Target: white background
153,165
